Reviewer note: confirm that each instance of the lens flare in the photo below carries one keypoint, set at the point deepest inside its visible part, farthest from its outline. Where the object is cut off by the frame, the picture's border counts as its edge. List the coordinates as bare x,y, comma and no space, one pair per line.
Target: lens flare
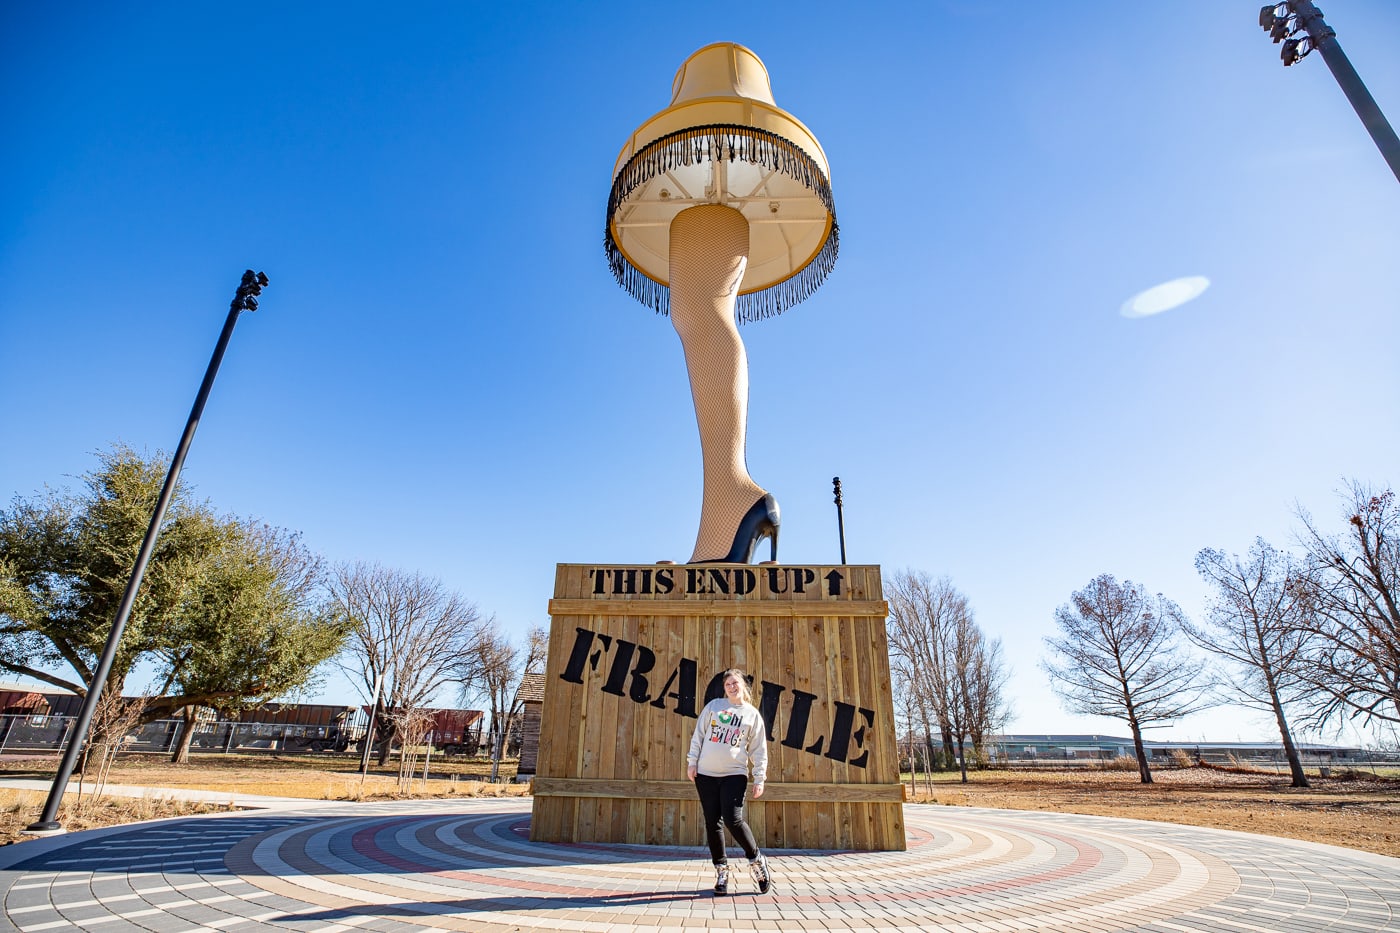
1164,297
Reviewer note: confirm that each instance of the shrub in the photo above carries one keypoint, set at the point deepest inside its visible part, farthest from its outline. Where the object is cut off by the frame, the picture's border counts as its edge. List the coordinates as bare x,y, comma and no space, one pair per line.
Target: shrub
1120,763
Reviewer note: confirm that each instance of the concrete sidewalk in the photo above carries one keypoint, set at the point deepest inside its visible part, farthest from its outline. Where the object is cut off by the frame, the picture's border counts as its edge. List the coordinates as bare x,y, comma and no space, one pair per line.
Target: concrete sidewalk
241,801
469,865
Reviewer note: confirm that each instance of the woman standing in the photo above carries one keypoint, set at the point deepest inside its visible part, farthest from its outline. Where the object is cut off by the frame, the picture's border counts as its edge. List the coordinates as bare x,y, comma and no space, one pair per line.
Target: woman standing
729,740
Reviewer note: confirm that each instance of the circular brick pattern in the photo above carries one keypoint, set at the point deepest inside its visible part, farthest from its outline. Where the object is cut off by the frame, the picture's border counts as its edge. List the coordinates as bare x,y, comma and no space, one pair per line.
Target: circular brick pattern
469,865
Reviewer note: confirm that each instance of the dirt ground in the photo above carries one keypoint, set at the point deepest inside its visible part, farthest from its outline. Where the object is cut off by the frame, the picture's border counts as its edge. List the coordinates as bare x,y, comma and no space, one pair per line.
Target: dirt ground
1355,811
1358,812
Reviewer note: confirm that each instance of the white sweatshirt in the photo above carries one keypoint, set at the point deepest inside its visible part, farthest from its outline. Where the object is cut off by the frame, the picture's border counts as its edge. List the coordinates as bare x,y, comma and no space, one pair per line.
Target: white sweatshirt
728,739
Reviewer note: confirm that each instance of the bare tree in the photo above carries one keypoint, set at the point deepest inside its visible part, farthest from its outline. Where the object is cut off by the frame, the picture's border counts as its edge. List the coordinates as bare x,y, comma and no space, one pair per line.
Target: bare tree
921,611
113,719
904,713
984,690
412,725
1117,656
1354,666
536,650
407,628
953,671
975,677
492,670
1258,619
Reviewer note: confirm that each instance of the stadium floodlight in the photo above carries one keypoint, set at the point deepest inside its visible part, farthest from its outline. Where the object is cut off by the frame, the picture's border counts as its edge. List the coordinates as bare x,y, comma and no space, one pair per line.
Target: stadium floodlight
1283,21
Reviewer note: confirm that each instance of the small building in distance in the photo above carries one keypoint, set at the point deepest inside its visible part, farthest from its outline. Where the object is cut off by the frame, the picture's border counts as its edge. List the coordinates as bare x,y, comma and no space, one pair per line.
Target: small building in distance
530,698
1053,748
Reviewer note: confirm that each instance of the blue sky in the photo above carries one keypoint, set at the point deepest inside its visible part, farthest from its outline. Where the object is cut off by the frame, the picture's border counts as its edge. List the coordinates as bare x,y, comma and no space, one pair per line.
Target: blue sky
444,377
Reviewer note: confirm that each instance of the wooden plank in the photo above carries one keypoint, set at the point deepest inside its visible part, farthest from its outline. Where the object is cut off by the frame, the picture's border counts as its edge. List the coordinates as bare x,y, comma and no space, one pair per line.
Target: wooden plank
804,678
616,741
667,744
857,673
576,582
685,790
718,608
825,686
824,823
589,741
776,819
858,828
821,817
782,766
636,763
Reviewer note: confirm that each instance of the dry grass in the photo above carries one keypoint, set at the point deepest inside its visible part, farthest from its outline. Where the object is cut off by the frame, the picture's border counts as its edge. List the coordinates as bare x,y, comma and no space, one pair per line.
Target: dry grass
1352,810
19,808
1356,810
314,777
310,777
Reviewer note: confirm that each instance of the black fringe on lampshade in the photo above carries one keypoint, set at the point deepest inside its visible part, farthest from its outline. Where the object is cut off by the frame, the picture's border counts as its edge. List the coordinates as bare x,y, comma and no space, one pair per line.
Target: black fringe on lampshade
704,144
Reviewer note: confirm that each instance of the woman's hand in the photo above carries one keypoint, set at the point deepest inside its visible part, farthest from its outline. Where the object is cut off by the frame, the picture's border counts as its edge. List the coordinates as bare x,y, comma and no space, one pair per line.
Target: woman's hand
690,772
757,791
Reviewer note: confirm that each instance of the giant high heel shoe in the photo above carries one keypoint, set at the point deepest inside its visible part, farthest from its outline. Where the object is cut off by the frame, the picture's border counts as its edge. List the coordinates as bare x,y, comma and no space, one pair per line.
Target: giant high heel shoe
759,521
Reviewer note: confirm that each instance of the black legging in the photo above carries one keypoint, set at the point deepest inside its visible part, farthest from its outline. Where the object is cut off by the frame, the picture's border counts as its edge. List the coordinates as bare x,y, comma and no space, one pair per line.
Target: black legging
722,801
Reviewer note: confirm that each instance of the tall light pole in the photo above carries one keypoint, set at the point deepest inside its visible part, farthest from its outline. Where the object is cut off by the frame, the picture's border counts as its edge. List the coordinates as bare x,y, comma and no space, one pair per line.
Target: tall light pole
245,299
1284,21
840,518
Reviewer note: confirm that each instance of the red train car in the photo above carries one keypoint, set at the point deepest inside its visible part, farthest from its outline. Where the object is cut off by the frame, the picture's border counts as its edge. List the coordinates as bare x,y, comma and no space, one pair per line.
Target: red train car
453,731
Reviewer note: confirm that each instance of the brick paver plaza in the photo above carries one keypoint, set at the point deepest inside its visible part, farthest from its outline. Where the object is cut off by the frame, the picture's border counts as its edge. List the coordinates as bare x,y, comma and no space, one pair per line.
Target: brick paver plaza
469,865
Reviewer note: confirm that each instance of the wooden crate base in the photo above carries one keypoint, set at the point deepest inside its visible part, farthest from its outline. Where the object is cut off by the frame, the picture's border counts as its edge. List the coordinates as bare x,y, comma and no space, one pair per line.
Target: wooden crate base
634,654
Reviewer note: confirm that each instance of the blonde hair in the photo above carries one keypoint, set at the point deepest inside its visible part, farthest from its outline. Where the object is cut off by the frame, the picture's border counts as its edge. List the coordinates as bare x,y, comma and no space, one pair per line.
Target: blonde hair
745,695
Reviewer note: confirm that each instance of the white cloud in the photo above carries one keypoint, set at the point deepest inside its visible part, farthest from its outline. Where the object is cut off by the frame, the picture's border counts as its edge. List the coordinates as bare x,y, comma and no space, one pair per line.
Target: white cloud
1164,297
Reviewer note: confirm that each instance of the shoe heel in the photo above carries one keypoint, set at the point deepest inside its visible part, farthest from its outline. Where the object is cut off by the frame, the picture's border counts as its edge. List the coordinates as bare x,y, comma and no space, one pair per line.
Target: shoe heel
762,519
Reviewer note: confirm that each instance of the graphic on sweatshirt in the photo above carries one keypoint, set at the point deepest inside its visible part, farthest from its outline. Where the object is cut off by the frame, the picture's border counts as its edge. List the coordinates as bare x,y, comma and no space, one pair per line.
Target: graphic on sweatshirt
726,728
728,740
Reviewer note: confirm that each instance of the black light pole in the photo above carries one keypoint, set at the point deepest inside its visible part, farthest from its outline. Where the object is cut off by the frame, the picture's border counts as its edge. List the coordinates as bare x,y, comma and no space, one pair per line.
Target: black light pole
368,740
1283,22
246,299
840,519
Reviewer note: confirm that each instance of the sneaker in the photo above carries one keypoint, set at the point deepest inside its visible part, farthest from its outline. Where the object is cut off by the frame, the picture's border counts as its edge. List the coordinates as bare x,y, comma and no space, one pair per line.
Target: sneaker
721,880
761,876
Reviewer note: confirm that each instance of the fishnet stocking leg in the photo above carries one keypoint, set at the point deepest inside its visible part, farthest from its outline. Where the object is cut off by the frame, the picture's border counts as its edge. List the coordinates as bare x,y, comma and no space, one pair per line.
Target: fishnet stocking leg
709,251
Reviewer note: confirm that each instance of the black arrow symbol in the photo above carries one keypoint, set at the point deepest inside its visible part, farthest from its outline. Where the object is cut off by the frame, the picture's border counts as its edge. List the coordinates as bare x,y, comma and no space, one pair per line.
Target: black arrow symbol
833,583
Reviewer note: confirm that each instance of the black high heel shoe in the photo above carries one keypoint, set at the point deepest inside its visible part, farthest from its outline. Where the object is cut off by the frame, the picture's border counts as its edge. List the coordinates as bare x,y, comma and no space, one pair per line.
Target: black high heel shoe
759,521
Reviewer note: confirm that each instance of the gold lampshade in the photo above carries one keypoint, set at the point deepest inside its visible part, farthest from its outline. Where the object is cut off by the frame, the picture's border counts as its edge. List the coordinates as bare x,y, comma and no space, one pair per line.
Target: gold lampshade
723,140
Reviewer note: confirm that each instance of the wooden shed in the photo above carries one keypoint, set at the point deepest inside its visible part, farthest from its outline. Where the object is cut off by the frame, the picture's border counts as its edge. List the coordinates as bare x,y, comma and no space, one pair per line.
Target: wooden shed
530,698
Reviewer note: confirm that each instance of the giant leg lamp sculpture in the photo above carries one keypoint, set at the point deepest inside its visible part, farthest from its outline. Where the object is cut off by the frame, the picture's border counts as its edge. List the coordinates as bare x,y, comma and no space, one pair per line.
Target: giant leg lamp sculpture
720,208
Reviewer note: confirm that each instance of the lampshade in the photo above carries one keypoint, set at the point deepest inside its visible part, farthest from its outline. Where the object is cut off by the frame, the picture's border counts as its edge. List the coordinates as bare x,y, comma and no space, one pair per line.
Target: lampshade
723,140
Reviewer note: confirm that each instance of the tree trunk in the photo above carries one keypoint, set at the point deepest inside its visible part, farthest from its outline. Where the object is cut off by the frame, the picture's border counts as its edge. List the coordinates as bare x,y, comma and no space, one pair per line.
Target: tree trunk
913,772
926,742
1144,772
181,754
1295,761
1266,667
949,749
962,759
